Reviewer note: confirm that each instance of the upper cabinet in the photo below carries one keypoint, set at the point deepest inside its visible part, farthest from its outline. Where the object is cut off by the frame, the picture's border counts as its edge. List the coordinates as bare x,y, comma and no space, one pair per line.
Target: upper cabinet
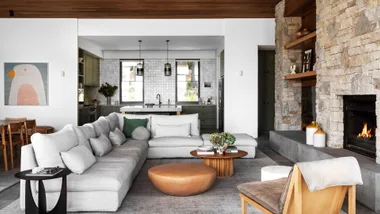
91,70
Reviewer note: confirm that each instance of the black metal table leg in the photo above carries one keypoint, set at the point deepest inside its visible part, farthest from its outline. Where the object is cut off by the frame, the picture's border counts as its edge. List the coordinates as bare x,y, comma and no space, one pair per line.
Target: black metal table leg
41,198
30,205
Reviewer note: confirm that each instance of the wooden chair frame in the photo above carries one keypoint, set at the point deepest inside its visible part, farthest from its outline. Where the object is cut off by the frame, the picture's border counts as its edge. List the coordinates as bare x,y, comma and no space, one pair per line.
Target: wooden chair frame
3,146
15,128
29,125
300,200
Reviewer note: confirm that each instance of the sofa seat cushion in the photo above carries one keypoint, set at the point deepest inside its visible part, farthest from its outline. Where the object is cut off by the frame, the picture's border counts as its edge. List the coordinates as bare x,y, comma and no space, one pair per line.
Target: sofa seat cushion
176,141
102,176
119,156
241,140
265,193
134,145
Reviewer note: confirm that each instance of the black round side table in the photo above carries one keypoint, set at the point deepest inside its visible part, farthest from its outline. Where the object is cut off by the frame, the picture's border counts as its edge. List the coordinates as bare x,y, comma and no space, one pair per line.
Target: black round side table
30,206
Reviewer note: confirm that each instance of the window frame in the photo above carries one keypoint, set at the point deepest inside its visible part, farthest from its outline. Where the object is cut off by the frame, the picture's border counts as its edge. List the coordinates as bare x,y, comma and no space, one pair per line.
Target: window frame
176,82
121,80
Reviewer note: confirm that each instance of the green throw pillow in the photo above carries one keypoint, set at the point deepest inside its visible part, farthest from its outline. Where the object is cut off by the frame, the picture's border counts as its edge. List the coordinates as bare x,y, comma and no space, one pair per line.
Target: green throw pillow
131,124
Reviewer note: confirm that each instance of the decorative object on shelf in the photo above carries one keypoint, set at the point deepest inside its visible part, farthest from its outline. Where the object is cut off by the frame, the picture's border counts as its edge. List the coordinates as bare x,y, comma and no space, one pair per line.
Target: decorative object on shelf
207,84
310,129
80,60
305,32
319,138
140,65
26,84
299,33
307,60
108,91
293,69
221,141
168,66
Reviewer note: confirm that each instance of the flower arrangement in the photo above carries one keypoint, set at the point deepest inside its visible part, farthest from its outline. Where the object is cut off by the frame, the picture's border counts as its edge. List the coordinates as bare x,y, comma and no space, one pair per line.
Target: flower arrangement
107,90
222,140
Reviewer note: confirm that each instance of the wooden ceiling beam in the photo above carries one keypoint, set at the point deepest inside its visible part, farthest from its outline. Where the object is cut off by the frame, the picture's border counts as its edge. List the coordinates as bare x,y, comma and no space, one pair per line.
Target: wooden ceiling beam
138,8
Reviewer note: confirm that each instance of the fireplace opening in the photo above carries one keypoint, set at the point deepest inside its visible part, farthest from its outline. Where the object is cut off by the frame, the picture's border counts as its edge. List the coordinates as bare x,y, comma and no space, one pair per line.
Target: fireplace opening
360,124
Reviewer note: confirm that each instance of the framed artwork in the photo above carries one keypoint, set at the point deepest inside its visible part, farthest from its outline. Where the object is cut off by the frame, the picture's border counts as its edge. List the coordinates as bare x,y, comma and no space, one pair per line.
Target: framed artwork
307,60
26,84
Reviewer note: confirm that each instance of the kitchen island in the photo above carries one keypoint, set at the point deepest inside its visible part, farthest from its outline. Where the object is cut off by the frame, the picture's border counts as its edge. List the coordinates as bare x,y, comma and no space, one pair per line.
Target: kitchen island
177,109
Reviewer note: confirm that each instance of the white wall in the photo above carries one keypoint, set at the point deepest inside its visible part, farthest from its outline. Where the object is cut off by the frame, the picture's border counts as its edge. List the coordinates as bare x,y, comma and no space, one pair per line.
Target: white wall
159,54
53,41
241,41
150,27
90,46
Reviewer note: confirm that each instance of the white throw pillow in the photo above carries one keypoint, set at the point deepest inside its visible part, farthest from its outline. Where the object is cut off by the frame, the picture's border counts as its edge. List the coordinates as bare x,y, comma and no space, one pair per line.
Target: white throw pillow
78,159
47,147
84,134
176,120
182,130
117,137
100,145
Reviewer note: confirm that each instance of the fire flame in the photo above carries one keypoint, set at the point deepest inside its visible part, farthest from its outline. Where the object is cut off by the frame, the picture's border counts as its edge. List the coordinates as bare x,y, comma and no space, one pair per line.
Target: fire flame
365,133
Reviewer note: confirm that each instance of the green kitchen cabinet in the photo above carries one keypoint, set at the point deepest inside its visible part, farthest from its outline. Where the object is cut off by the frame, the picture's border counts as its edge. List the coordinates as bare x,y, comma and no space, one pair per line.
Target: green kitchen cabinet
91,70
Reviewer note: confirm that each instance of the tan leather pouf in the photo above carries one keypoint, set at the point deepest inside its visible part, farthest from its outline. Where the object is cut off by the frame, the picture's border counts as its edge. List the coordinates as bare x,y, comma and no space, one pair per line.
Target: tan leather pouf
182,179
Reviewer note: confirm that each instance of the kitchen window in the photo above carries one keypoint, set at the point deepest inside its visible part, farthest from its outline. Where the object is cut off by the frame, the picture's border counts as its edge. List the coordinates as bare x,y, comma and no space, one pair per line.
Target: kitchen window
188,80
131,85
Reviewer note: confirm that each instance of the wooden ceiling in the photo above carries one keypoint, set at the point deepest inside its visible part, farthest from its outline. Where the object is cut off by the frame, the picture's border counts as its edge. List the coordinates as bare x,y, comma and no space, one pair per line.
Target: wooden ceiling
138,8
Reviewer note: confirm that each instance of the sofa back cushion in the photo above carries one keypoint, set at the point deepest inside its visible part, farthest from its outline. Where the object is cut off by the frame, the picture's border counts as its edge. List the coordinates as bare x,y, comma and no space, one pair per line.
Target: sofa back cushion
134,116
84,133
176,120
182,130
113,121
47,147
101,126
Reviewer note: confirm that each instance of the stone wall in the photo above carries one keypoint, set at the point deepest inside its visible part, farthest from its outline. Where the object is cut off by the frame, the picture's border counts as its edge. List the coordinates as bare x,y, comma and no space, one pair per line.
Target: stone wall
348,60
287,93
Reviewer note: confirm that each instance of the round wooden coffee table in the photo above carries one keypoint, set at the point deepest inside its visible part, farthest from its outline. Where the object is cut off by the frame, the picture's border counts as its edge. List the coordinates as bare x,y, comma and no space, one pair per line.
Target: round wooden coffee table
223,164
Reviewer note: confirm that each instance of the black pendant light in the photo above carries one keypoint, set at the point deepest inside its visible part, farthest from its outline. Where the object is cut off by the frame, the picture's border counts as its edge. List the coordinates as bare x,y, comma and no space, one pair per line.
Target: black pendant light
140,65
168,66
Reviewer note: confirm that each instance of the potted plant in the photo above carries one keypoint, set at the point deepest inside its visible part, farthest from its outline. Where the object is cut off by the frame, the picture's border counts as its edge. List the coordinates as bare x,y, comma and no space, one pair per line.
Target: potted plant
222,140
108,91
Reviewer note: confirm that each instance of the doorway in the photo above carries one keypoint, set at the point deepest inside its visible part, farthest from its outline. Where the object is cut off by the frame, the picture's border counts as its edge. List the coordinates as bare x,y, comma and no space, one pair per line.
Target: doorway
266,91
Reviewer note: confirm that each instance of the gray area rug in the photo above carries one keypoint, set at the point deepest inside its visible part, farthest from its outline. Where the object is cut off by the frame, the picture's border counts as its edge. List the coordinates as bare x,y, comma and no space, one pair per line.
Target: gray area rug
223,196
8,179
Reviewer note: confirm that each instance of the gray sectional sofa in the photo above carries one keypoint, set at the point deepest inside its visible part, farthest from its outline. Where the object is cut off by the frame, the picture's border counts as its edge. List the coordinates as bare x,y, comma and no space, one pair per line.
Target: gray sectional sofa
103,186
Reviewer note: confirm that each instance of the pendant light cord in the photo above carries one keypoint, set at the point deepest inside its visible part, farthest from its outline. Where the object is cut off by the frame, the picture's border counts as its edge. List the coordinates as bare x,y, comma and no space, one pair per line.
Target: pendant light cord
140,51
167,51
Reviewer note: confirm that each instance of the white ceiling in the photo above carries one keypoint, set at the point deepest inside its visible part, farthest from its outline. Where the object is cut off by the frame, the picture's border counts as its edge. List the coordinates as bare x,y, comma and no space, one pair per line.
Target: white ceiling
157,42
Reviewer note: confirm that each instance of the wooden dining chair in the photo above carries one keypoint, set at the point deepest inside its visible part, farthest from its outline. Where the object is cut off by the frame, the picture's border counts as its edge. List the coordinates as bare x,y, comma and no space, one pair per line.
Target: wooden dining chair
29,129
298,199
15,137
3,146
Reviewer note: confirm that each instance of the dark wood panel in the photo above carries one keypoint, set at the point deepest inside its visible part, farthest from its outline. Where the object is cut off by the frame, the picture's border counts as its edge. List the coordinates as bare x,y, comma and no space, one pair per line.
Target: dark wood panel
138,8
299,7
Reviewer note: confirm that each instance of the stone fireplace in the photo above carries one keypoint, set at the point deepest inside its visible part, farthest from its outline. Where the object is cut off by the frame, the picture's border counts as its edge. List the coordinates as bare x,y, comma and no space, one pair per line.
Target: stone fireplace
360,124
347,54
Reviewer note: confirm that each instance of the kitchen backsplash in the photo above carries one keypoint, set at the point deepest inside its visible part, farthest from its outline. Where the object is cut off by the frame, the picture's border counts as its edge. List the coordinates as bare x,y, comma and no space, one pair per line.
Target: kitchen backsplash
156,82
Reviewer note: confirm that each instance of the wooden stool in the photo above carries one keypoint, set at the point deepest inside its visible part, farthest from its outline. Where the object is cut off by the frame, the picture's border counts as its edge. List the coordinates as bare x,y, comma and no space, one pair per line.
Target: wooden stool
45,129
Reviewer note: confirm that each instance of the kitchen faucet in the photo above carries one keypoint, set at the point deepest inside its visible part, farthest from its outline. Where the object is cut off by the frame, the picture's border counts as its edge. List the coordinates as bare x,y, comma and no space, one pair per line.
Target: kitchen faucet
158,96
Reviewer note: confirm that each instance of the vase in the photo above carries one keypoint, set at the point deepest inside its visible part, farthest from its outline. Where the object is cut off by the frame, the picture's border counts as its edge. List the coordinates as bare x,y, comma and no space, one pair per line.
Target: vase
310,129
219,150
108,100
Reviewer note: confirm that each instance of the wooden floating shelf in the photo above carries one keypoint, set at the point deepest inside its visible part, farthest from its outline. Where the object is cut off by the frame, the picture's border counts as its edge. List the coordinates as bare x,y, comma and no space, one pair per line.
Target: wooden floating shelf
296,44
300,76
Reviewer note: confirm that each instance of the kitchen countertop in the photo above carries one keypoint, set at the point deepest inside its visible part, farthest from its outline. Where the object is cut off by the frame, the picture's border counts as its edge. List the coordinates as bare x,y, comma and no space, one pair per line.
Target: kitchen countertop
162,108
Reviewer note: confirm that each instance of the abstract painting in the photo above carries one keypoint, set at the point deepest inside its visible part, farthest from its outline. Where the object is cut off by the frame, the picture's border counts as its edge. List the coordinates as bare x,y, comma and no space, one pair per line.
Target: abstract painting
26,84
